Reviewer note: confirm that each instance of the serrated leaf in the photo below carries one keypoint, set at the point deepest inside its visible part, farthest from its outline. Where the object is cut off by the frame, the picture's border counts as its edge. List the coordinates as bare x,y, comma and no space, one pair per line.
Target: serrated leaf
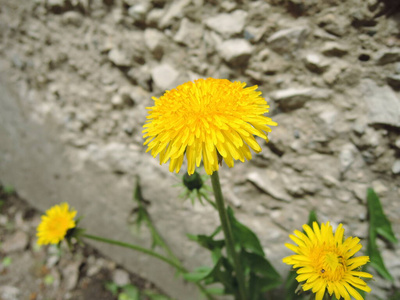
375,257
243,236
378,220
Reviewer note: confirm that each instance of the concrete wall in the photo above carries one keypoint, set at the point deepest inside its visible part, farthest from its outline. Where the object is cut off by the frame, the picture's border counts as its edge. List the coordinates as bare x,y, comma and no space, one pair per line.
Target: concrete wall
45,171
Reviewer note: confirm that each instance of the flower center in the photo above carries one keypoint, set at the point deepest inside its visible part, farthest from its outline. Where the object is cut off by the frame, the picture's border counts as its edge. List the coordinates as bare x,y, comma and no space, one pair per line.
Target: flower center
58,226
332,266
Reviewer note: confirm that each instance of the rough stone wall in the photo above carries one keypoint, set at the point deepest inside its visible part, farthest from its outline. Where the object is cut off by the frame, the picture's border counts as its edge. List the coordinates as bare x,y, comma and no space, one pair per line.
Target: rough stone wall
77,76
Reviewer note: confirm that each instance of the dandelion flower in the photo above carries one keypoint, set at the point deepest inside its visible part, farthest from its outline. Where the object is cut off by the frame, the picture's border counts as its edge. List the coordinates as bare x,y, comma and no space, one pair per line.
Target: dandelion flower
205,120
55,224
324,262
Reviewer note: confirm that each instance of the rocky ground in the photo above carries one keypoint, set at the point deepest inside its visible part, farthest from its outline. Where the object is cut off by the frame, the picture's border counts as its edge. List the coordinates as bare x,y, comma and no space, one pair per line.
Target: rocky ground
329,69
28,271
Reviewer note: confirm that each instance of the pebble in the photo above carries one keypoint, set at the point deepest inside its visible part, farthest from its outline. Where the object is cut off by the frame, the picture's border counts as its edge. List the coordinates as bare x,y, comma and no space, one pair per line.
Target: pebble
8,292
154,40
235,51
288,40
294,98
139,11
173,11
316,63
119,58
16,242
71,275
396,167
265,184
394,81
227,25
334,49
382,102
121,277
347,156
57,6
334,24
189,33
387,56
164,76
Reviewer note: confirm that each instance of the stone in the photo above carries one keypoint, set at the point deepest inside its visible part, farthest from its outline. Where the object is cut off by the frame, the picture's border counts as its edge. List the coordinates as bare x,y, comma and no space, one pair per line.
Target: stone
235,51
173,11
154,16
294,98
387,56
288,40
164,76
71,275
139,11
16,242
268,186
396,167
119,58
72,18
334,49
154,40
316,63
347,156
58,6
383,104
394,81
227,25
121,277
335,24
8,292
189,33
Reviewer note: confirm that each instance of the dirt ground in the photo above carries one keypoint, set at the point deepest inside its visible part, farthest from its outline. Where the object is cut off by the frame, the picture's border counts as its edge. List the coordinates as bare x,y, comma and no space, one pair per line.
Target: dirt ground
32,272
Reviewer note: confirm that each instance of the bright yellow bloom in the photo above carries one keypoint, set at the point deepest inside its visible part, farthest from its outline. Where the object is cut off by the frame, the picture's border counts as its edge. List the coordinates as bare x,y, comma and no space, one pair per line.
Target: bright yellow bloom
55,224
205,118
324,262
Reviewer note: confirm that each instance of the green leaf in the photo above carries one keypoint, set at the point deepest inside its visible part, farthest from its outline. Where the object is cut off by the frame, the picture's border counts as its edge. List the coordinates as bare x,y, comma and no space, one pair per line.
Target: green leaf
375,257
8,190
266,277
6,262
198,274
111,287
131,292
378,224
291,286
378,220
208,242
312,217
243,236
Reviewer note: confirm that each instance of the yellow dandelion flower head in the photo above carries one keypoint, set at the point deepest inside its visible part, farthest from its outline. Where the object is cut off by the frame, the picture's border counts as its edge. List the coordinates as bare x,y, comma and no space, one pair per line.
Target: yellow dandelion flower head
324,262
55,224
204,118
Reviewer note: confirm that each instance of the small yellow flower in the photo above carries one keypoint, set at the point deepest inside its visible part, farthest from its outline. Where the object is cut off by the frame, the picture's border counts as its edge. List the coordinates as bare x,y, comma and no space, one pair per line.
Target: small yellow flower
204,118
324,262
55,224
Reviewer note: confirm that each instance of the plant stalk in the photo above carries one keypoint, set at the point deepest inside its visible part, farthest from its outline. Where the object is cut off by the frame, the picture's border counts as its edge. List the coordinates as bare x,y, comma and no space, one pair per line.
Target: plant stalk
171,262
227,229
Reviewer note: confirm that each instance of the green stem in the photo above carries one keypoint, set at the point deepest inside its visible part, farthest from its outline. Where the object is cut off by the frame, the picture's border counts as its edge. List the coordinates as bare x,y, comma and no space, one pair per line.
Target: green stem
136,248
173,263
227,229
